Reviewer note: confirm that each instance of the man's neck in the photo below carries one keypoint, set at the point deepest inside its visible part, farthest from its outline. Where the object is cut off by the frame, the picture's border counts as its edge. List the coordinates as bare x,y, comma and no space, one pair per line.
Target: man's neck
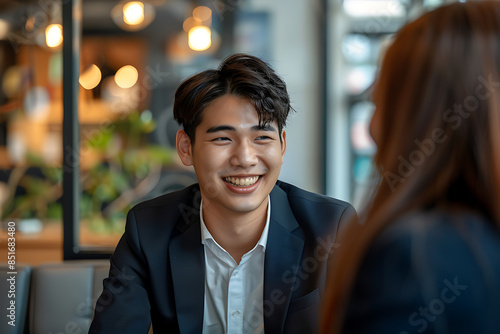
236,232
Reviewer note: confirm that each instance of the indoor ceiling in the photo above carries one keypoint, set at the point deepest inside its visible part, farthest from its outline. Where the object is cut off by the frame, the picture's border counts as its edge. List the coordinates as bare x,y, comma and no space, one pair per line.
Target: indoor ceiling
96,15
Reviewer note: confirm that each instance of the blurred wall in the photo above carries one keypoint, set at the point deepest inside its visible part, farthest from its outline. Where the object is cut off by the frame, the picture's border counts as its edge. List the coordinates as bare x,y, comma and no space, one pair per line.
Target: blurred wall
294,55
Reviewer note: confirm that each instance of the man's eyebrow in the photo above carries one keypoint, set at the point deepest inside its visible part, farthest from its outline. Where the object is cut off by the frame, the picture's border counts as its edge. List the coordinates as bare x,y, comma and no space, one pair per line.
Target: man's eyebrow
266,127
220,128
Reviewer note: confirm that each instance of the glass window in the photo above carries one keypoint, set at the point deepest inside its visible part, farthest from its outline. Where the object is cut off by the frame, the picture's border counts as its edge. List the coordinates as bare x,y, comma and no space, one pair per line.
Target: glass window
363,29
30,129
132,57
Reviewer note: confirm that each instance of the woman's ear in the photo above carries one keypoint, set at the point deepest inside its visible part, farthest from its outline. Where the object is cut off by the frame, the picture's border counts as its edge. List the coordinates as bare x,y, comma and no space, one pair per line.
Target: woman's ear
183,144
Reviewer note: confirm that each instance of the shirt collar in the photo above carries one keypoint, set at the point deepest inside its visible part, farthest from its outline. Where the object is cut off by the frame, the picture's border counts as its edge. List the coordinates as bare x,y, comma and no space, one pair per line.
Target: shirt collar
206,235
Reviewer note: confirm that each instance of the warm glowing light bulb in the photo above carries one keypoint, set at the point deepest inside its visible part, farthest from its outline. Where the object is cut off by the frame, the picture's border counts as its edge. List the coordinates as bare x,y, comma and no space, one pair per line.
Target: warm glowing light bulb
189,23
133,13
4,29
53,35
199,38
126,76
202,13
91,77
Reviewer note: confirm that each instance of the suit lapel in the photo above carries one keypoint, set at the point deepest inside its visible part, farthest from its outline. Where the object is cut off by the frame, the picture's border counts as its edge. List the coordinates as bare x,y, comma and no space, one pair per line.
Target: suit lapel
283,254
188,271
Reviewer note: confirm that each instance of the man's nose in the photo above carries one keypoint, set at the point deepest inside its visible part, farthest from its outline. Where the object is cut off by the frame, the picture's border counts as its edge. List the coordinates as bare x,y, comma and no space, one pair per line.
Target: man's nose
244,155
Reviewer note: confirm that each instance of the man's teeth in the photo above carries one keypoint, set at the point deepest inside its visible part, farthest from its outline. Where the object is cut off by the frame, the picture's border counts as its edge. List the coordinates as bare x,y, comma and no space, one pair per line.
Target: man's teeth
241,182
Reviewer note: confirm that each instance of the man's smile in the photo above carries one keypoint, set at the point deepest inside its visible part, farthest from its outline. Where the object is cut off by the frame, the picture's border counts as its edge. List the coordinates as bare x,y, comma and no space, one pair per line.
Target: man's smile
241,181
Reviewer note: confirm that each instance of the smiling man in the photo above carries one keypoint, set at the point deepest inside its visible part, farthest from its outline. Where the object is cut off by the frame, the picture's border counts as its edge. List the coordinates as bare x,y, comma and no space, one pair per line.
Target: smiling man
239,252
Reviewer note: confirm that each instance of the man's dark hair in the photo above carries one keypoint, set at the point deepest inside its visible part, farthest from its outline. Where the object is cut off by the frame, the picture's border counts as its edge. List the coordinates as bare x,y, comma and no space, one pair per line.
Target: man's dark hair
240,75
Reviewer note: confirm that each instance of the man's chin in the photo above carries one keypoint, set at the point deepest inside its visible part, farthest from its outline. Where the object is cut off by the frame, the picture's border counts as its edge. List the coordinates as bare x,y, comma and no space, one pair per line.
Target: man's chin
246,206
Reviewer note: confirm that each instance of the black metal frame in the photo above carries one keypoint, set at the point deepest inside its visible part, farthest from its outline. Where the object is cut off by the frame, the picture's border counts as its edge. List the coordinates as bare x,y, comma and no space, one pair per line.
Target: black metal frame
72,23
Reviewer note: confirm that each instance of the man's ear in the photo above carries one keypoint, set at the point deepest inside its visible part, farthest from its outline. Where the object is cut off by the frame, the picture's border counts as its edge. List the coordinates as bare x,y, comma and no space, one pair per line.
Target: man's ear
283,145
183,144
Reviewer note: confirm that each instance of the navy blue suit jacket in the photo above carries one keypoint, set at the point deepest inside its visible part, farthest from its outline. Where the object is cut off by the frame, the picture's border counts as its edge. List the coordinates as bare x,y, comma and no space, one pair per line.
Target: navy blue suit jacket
157,271
430,272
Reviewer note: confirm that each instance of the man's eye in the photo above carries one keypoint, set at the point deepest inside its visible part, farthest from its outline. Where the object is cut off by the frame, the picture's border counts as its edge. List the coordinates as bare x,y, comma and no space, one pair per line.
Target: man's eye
221,139
264,138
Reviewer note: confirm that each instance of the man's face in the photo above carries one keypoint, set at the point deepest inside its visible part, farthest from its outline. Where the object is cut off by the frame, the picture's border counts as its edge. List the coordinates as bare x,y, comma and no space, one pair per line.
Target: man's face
237,162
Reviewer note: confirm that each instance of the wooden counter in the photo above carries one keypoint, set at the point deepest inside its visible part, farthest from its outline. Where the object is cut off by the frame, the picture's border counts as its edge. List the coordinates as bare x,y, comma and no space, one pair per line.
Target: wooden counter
47,245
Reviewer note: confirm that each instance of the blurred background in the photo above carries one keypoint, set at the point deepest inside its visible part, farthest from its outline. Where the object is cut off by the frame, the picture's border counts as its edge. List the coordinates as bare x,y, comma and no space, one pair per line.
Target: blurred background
132,57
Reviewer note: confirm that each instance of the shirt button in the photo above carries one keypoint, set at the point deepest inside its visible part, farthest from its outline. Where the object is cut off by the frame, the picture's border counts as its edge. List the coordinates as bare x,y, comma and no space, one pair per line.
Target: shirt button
236,314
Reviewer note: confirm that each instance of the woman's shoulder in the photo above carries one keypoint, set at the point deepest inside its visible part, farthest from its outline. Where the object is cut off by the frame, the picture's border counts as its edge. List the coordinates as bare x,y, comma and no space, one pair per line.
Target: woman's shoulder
441,229
441,245
432,269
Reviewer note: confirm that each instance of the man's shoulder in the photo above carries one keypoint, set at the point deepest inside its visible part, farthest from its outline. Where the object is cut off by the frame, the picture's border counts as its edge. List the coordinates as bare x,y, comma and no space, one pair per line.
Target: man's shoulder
317,215
316,209
298,195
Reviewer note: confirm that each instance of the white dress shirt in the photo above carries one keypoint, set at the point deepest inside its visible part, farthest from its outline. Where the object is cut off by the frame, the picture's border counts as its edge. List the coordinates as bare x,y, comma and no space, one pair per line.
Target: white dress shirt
234,292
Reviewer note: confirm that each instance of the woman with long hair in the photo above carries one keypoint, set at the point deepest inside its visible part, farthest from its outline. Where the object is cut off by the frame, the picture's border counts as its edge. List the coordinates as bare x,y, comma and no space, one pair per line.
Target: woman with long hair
425,255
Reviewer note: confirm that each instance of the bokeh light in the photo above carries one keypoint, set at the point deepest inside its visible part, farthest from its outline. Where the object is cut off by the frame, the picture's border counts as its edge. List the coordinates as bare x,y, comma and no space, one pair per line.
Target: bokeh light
133,12
126,76
53,35
199,38
202,13
91,77
190,23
